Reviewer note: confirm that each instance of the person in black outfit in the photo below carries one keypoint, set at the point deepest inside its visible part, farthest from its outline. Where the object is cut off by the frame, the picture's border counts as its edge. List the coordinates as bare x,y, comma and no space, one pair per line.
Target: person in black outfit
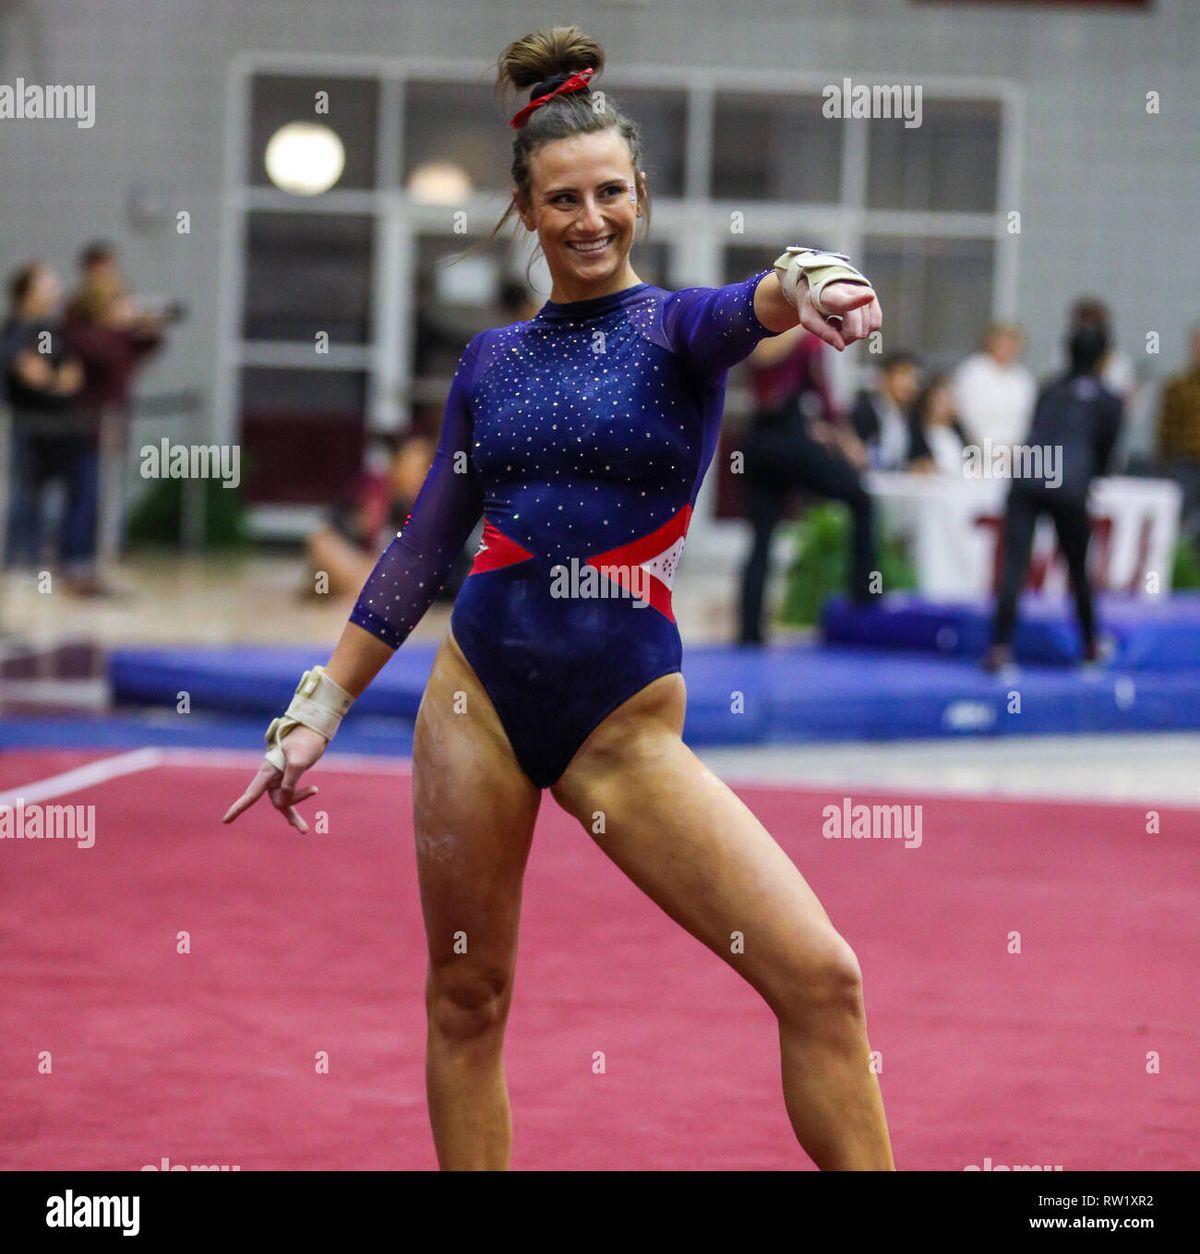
1080,419
882,417
42,383
792,443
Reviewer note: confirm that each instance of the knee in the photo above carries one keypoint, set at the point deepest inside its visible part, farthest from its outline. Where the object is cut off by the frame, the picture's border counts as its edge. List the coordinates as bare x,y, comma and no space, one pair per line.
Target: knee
465,1003
826,985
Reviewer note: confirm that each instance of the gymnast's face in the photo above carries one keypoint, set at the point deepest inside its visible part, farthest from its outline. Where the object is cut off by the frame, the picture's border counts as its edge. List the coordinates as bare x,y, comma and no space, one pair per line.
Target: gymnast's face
583,205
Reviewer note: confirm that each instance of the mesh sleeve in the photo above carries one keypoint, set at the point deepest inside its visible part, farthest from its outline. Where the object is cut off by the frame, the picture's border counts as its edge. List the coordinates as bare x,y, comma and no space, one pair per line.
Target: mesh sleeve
714,328
414,567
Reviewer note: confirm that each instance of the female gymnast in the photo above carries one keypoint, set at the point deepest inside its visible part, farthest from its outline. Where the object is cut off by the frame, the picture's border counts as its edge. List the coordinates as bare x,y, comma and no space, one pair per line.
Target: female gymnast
582,436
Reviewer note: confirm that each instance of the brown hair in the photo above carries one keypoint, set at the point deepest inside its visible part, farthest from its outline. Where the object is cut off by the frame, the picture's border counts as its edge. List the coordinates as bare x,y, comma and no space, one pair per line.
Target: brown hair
94,298
540,62
20,281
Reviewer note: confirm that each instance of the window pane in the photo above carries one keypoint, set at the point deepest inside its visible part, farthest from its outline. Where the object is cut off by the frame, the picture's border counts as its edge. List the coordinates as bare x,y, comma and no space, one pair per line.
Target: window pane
661,118
769,147
936,294
460,123
302,433
465,125
454,300
949,162
308,272
277,100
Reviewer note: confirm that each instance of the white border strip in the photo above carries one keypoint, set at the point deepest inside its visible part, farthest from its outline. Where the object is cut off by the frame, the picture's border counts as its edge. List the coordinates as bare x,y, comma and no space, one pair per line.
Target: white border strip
746,777
149,759
238,759
84,776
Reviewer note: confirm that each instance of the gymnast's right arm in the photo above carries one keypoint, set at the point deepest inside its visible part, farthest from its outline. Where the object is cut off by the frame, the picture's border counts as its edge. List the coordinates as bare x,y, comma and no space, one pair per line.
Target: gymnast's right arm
417,563
407,577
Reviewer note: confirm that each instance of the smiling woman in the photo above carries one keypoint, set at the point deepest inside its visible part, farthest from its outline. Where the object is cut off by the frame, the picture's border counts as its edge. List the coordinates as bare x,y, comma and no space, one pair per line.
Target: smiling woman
582,436
577,165
585,211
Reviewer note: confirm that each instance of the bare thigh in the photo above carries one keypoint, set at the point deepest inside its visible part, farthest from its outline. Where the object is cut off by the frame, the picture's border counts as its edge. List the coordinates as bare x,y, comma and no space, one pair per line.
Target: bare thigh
474,811
689,842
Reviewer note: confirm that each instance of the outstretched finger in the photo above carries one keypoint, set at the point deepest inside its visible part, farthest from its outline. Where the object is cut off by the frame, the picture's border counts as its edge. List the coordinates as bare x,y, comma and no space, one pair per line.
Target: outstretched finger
286,805
287,790
813,321
863,315
843,296
294,818
258,785
852,326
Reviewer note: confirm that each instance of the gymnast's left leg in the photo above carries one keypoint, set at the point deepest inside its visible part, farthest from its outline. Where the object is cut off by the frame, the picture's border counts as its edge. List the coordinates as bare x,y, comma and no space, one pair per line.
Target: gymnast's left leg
687,841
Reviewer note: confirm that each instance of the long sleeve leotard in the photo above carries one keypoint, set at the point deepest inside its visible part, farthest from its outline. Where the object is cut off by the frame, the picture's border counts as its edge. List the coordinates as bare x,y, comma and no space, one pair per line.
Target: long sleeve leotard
582,438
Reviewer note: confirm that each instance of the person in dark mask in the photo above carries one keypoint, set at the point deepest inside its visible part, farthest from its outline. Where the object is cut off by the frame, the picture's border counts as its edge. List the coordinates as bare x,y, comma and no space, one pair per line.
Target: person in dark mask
1075,427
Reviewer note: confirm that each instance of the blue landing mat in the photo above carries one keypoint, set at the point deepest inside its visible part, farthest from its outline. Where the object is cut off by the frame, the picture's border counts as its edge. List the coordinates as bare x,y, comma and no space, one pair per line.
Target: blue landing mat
1149,635
781,694
258,680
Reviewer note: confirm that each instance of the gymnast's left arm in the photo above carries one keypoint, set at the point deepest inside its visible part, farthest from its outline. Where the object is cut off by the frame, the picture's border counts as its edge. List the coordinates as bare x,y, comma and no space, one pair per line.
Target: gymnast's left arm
714,328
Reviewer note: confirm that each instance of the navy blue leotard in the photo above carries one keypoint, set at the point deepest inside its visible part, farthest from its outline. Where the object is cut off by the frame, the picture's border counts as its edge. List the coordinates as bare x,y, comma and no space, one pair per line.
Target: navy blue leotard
582,437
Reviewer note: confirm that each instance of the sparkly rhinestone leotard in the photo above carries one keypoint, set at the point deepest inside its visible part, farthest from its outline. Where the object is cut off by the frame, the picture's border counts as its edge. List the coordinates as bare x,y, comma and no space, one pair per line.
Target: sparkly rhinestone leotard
582,437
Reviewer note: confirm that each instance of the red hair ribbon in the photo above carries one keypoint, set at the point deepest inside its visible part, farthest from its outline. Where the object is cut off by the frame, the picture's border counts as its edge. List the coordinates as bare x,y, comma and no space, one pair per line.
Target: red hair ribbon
577,82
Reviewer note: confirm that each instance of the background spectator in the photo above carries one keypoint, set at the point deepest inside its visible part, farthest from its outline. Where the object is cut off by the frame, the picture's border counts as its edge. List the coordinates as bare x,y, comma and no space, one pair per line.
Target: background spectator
1179,434
794,443
42,384
1116,370
882,416
360,527
938,439
993,391
98,260
107,333
1079,418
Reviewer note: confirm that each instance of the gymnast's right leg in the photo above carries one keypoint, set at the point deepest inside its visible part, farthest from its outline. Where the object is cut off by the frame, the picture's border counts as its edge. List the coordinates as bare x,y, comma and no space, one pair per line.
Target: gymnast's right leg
474,811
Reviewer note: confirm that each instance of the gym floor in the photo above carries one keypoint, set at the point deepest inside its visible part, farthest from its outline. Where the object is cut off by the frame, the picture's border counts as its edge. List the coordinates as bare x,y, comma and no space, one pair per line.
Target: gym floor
305,947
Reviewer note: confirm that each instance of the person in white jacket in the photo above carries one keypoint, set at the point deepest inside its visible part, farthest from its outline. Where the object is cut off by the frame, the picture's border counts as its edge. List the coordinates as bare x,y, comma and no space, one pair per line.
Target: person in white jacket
993,392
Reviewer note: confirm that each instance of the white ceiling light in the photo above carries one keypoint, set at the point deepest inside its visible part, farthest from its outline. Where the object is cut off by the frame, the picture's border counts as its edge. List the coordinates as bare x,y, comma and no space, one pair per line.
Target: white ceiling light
305,158
439,183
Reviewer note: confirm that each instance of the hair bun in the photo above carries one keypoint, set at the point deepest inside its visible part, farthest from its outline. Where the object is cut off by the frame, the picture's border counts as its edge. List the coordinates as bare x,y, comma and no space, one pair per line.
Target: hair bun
542,60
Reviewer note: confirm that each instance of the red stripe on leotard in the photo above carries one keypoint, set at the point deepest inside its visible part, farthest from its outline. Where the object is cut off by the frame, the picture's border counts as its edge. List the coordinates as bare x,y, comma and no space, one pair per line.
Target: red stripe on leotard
497,550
